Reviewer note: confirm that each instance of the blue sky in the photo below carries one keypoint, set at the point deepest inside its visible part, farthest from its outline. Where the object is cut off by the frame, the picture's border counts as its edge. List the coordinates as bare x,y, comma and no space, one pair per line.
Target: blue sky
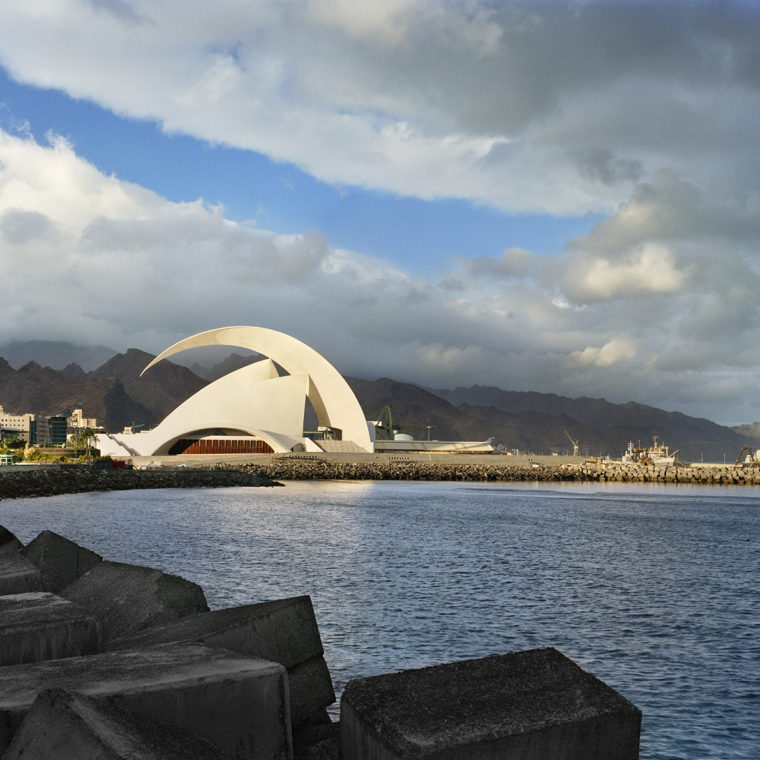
416,233
560,197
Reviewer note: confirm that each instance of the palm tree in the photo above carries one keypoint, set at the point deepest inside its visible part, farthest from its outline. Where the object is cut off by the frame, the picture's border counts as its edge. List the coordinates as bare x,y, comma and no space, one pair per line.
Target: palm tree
89,439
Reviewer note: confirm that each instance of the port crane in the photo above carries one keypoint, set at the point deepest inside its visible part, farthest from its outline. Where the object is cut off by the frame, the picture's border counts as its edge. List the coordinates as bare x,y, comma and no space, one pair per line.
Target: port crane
752,458
386,430
576,447
383,423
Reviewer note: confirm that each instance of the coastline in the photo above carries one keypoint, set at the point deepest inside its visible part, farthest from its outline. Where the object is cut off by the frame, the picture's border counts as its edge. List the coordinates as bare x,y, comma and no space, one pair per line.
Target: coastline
19,482
30,481
304,469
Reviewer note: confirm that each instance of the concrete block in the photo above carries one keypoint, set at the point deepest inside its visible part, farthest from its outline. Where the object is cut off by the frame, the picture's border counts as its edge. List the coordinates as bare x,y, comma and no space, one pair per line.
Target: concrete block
68,726
17,574
59,560
237,703
8,542
128,598
283,631
533,705
41,626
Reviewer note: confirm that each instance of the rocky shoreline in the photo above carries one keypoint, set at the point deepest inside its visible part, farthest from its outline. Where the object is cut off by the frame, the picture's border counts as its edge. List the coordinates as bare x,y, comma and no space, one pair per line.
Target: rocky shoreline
304,469
19,482
16,482
107,659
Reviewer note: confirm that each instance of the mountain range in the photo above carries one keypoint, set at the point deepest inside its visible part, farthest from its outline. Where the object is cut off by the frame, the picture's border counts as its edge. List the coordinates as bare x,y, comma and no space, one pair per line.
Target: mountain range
117,395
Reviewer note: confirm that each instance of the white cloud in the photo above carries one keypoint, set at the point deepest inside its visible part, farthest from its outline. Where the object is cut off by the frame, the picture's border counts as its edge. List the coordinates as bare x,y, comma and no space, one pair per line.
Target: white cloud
645,112
91,258
650,269
558,107
613,352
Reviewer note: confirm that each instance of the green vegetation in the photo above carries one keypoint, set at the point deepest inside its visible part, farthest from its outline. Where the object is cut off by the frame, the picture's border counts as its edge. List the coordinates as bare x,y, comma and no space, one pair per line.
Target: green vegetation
83,439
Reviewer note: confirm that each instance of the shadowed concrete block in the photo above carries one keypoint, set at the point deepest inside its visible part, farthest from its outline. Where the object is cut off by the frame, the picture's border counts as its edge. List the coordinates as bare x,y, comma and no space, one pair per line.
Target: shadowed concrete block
17,574
41,626
68,726
533,705
283,631
237,703
59,560
128,598
8,542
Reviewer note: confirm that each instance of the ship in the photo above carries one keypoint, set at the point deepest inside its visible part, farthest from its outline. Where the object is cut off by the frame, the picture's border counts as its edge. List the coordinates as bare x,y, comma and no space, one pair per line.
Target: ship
657,454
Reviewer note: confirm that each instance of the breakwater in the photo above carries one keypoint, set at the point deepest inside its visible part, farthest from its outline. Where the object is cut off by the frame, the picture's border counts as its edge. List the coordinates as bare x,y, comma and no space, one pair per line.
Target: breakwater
38,481
320,469
18,482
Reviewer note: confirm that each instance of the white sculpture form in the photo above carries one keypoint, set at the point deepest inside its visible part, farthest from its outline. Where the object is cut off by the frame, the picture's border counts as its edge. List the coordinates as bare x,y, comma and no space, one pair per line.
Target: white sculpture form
255,400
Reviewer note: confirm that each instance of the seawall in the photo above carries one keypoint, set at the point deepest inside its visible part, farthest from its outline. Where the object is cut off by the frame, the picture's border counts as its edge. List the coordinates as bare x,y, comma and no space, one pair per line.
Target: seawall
18,482
22,481
321,469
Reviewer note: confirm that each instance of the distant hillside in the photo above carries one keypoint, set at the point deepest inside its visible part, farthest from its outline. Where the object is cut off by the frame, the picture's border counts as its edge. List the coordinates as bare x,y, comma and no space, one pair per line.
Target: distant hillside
54,354
114,393
117,395
42,390
161,389
750,432
545,423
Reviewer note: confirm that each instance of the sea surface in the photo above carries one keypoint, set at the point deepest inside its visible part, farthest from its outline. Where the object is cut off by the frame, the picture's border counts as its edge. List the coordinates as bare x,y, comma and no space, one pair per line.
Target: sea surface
654,589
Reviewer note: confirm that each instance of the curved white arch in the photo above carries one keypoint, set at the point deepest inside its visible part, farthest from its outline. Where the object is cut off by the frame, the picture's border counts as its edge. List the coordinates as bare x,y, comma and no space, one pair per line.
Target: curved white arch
276,408
330,395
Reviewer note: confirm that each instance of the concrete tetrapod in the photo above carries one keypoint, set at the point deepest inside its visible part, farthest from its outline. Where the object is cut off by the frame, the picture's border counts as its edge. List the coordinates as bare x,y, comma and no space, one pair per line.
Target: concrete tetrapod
40,626
59,560
532,705
128,598
8,542
237,703
68,726
283,631
17,574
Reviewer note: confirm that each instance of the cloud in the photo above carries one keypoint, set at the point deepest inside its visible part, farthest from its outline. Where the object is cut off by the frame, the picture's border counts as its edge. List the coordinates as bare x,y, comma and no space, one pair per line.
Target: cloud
641,113
22,227
649,269
663,316
552,107
514,263
613,352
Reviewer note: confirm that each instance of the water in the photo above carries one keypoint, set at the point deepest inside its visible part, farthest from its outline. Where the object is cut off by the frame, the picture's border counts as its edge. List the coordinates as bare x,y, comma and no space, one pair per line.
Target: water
653,589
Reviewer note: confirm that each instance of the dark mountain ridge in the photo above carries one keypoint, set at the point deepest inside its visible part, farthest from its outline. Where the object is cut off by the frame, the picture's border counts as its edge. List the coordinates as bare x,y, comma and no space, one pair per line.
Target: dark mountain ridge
118,396
54,354
609,427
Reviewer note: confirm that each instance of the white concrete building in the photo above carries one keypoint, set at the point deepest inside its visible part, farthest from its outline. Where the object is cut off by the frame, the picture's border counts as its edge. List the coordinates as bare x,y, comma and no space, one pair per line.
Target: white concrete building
255,409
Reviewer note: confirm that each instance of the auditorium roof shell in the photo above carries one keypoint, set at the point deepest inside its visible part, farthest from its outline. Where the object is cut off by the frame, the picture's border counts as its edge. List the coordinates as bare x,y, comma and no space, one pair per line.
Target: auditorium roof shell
256,400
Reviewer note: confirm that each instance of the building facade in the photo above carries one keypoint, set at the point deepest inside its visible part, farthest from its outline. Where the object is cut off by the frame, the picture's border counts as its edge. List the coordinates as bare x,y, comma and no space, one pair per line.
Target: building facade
21,426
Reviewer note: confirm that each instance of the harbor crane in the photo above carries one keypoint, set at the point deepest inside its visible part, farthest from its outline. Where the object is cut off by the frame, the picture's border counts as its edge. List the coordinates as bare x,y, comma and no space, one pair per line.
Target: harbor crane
752,458
383,423
576,448
386,429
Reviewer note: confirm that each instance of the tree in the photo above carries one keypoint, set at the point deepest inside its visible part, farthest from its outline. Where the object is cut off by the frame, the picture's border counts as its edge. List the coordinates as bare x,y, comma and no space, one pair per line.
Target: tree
83,438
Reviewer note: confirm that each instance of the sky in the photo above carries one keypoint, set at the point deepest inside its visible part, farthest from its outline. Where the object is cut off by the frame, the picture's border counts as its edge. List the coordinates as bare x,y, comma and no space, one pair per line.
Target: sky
548,196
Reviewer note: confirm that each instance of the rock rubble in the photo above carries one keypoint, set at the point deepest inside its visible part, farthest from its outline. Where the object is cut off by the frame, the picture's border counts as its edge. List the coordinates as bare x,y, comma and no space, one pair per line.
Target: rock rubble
305,469
29,481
